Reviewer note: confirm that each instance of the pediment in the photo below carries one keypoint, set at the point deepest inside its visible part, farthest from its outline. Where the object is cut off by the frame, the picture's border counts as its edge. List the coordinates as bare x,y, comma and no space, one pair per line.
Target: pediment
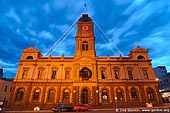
30,50
85,59
138,48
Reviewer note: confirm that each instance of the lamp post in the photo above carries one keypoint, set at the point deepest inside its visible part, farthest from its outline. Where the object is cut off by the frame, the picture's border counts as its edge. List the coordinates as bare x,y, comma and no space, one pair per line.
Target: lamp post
97,97
116,103
74,92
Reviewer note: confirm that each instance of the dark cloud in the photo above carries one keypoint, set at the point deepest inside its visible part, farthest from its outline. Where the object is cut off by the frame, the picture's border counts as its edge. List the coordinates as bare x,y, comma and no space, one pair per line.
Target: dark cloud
127,23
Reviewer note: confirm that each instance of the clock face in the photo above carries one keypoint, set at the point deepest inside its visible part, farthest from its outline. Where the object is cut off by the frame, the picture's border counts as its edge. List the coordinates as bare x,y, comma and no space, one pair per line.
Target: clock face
85,28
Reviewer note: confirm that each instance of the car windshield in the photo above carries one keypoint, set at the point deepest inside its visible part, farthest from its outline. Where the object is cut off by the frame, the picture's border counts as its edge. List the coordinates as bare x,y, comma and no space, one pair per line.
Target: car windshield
80,105
62,105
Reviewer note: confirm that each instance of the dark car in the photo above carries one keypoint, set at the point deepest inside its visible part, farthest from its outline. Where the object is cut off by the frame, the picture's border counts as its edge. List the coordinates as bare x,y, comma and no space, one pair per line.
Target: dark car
62,107
81,107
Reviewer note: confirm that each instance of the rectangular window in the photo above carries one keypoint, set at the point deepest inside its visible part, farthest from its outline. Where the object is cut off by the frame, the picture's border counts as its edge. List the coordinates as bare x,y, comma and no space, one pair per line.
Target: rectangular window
40,73
145,74
103,74
130,74
11,89
83,47
67,74
25,73
86,46
53,74
116,74
5,90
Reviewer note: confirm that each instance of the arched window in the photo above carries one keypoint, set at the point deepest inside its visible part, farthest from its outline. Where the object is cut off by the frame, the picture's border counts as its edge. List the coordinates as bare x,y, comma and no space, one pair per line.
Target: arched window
29,57
85,45
85,73
134,94
104,95
20,94
119,95
150,94
141,57
51,94
66,94
36,94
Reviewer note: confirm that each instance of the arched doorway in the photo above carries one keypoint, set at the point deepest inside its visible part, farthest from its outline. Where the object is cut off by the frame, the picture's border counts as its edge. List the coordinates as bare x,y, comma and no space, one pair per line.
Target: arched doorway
84,96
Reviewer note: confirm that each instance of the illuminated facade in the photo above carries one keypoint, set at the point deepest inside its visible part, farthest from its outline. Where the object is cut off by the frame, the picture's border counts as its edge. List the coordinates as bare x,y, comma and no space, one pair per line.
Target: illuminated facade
84,77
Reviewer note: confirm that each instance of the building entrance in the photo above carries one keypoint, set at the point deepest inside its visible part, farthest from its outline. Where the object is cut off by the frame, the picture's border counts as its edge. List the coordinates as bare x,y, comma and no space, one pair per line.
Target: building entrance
84,96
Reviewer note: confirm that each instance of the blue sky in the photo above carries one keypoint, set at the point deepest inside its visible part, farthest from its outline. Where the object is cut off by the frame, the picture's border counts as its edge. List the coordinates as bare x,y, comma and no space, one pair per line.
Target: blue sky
40,23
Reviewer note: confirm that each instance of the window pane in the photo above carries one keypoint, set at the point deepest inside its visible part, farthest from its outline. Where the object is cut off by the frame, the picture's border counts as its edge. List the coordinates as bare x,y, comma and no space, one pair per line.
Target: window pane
67,74
103,74
145,74
116,74
134,94
40,73
104,95
51,95
130,74
25,73
20,94
53,75
36,94
119,95
150,94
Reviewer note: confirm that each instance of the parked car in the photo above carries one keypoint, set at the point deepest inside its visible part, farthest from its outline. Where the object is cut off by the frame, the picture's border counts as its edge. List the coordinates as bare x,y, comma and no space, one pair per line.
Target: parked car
81,107
62,107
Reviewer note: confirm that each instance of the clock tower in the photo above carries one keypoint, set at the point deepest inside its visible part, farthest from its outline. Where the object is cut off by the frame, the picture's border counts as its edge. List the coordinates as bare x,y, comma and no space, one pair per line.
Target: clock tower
85,38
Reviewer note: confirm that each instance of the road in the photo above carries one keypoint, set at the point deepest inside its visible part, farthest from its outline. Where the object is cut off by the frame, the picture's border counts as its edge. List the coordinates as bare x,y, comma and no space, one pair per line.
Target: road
122,110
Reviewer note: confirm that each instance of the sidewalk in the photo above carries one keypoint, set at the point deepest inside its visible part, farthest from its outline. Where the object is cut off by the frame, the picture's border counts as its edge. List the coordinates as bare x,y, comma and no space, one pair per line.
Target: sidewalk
165,107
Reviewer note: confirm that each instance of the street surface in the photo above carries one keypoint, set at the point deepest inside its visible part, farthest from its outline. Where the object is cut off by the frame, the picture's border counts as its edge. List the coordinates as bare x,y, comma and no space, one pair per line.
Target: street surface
121,110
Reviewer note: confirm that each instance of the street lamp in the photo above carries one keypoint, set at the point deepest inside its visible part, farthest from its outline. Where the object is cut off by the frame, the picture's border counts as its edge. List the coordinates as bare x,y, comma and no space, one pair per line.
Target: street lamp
97,91
74,96
157,79
116,102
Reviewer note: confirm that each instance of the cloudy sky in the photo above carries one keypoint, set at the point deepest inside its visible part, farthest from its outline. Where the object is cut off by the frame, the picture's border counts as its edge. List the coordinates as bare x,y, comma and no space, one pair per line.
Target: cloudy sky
127,23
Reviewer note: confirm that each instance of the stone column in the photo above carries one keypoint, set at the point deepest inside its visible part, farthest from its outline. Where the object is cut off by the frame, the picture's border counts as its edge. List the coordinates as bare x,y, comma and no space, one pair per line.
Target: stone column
43,93
27,94
58,93
33,75
123,74
126,93
96,91
74,95
47,75
142,93
79,95
110,96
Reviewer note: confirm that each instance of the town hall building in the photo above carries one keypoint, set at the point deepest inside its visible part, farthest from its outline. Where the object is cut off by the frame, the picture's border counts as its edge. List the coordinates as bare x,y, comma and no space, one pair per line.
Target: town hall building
84,78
